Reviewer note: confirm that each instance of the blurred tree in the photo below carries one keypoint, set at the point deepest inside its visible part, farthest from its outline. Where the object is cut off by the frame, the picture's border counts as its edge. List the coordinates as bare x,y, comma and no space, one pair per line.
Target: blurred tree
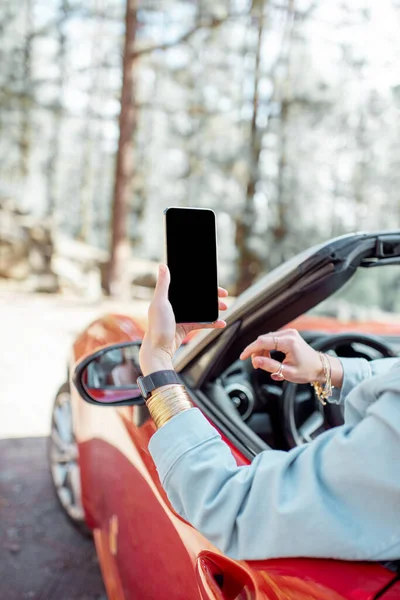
26,93
249,261
118,276
286,99
52,162
287,125
91,134
118,281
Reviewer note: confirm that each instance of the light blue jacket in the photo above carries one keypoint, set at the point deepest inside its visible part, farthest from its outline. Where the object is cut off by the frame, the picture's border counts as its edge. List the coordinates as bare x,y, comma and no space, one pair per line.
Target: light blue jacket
337,497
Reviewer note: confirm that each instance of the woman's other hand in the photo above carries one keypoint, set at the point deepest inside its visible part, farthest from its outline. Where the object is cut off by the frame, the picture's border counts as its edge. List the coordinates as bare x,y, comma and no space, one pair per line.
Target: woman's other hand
163,336
302,364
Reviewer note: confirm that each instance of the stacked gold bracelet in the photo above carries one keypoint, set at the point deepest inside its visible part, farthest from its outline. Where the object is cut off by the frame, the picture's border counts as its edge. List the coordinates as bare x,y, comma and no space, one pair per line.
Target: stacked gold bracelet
167,402
323,392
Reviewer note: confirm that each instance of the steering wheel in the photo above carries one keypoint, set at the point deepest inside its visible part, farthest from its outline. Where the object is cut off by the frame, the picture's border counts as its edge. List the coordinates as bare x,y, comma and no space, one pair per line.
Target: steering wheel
318,417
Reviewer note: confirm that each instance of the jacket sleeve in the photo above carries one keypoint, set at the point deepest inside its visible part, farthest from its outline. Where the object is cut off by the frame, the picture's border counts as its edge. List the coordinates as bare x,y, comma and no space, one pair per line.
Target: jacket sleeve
356,370
338,497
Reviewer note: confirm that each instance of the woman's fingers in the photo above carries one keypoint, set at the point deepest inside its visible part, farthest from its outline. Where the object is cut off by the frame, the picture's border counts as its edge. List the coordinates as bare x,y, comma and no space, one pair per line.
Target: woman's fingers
222,293
282,341
219,324
264,353
272,366
265,363
258,347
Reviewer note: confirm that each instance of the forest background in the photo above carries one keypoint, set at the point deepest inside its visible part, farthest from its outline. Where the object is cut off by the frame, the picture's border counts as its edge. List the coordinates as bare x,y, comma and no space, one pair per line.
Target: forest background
281,115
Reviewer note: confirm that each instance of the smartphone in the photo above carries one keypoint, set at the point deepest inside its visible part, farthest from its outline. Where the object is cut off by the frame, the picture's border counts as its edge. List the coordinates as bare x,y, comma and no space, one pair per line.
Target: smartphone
191,255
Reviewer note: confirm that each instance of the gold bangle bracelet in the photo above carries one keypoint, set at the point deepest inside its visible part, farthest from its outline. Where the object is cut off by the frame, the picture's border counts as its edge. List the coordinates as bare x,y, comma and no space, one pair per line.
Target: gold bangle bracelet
162,411
323,392
166,391
168,402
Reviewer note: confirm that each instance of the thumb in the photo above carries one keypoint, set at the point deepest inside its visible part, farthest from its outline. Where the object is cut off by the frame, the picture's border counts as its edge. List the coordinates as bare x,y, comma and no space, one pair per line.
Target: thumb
163,280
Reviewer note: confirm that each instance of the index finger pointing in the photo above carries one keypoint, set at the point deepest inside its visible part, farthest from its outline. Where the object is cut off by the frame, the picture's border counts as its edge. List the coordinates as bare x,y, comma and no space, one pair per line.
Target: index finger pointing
256,347
266,343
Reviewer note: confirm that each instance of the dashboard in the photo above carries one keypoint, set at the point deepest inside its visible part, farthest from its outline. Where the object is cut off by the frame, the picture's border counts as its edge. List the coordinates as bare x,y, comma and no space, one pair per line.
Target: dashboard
256,398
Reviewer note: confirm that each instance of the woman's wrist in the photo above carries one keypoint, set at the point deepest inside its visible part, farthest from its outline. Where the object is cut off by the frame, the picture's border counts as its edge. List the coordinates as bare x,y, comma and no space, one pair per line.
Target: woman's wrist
154,359
166,402
156,365
336,372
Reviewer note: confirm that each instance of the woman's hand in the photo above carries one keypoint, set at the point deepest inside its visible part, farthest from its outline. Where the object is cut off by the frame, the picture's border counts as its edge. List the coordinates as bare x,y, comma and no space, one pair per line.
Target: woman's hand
302,363
163,336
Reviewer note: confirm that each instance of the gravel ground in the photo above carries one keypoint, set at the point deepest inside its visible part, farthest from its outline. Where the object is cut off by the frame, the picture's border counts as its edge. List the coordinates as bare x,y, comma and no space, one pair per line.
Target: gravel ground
42,556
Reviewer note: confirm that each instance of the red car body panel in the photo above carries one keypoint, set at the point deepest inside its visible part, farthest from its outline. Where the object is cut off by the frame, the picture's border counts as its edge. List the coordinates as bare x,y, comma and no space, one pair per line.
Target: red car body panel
393,593
332,325
146,550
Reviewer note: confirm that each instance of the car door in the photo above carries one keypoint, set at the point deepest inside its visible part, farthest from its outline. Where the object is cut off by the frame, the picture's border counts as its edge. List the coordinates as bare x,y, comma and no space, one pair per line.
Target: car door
147,549
142,538
183,554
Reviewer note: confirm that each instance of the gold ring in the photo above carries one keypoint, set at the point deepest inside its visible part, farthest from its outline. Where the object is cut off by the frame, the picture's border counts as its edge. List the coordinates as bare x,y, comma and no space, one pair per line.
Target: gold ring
279,372
275,342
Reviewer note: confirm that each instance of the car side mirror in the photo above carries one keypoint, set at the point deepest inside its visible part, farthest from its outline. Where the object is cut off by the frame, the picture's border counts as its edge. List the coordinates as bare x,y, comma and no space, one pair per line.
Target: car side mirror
108,377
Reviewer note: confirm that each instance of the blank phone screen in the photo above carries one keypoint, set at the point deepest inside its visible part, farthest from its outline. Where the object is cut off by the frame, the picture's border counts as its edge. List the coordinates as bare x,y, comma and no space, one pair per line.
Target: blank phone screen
191,248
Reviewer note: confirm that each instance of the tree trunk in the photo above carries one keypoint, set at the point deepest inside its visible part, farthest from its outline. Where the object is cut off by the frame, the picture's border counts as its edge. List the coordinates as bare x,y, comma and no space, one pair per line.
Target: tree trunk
90,140
55,143
281,229
118,282
26,97
248,263
284,200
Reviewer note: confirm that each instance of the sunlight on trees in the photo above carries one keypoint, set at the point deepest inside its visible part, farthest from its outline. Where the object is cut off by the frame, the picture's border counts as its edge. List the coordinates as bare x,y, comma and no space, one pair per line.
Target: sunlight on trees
282,116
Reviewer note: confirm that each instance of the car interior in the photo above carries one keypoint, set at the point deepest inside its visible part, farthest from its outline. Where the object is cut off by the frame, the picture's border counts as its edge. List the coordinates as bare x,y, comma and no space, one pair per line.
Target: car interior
360,320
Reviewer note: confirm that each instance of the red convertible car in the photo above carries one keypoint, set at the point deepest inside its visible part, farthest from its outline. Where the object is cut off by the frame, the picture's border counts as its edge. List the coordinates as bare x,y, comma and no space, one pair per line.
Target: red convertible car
107,482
